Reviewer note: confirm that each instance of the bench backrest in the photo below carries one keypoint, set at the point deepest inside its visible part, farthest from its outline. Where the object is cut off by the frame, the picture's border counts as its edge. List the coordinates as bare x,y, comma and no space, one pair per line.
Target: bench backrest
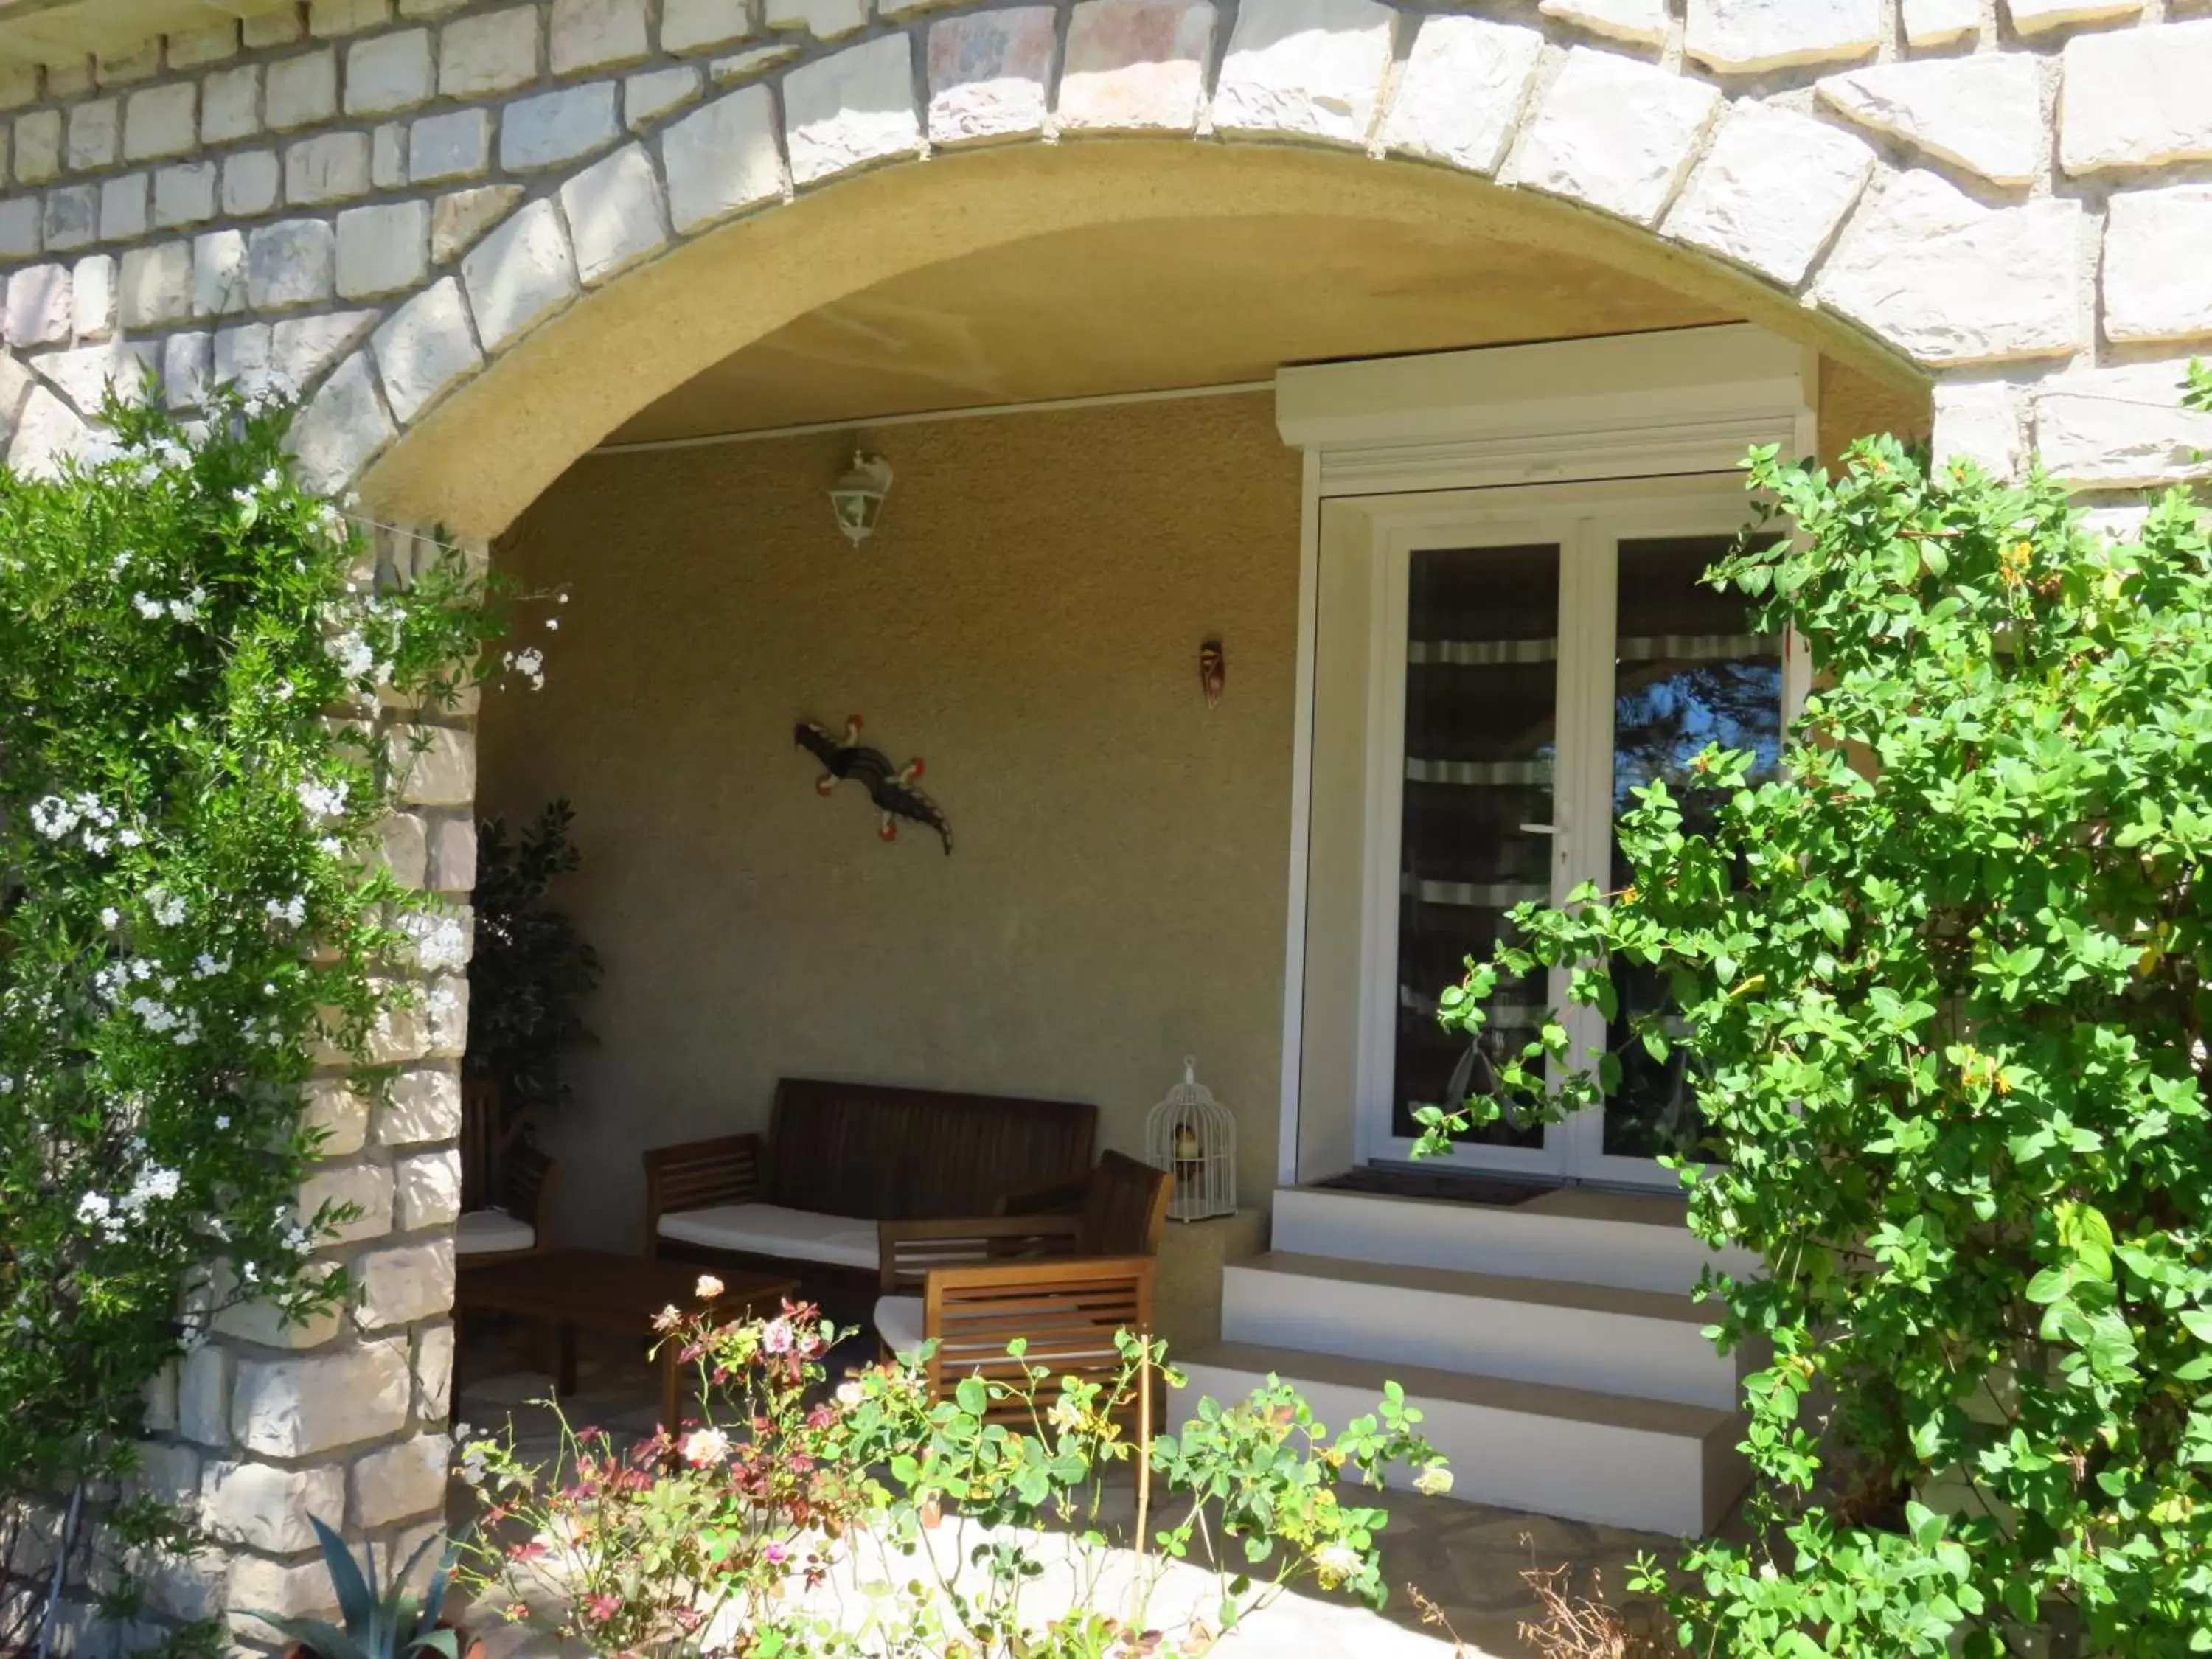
865,1149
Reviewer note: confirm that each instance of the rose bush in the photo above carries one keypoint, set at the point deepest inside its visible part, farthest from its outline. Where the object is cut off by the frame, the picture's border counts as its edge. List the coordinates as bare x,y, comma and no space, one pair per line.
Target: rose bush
869,1520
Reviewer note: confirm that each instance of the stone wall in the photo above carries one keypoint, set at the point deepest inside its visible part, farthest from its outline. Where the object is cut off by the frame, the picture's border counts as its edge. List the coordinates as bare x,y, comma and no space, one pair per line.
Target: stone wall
441,222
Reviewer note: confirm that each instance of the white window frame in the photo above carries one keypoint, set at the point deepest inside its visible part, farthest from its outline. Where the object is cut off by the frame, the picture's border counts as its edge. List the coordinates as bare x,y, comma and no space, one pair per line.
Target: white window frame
1406,453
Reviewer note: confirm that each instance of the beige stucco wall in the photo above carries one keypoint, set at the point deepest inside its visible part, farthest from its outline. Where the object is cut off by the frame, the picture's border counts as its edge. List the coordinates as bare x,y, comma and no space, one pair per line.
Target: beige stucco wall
1028,618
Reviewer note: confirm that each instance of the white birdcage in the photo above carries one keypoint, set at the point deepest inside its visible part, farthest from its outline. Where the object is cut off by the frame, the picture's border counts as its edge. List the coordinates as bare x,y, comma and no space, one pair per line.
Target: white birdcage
1191,1135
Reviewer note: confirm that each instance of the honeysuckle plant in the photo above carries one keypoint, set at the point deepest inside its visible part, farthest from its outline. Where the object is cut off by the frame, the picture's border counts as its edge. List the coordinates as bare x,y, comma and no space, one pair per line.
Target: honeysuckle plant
206,682
1943,987
867,1520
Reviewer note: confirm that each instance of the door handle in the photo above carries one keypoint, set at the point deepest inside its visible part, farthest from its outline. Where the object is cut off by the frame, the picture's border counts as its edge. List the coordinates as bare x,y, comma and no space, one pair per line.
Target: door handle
1538,828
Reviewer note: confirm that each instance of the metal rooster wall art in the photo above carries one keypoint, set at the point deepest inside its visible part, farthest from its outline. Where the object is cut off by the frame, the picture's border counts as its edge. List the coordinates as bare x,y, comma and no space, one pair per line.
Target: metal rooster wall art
893,791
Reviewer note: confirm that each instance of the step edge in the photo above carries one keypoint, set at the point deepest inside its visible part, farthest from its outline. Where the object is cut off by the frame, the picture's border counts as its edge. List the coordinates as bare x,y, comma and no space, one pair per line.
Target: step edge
1580,1295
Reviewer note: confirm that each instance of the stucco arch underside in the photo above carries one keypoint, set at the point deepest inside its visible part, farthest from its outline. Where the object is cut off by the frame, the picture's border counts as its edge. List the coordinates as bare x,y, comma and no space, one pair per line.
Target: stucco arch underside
480,456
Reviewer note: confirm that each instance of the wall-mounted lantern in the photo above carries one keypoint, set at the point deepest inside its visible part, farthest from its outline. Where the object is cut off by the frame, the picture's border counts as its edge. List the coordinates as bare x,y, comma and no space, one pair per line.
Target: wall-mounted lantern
857,498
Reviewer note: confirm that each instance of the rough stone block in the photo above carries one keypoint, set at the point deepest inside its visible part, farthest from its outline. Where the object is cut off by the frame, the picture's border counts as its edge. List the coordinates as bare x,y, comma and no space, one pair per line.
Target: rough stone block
1614,133
488,52
340,1115
851,108
988,72
825,20
161,121
1314,68
585,34
302,90
459,217
1771,190
1643,22
230,102
192,48
455,145
338,434
1745,37
405,1283
291,263
398,1483
614,213
388,72
301,1404
251,180
424,348
157,284
19,85
438,763
2121,428
2034,17
124,213
160,1394
1941,276
554,127
39,311
331,167
434,1372
221,279
687,25
204,1387
290,1589
19,227
647,97
167,1472
93,287
85,375
281,25
95,134
722,158
1461,91
328,18
385,249
268,1509
429,1190
424,1108
388,155
38,146
184,194
1979,422
1940,22
301,348
2136,98
72,217
519,274
454,855
366,1188
46,433
1984,114
2158,263
140,62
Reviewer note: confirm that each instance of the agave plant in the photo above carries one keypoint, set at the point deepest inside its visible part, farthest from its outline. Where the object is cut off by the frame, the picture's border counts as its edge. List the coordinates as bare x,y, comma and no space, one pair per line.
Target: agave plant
379,1623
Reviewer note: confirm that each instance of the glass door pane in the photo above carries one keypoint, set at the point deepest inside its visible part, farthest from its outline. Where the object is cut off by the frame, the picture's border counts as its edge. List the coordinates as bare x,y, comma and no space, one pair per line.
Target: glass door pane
1686,674
1481,734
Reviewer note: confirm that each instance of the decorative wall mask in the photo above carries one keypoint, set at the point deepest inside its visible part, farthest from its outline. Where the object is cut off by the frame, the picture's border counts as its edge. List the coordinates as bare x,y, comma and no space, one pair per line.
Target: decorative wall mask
1212,672
893,791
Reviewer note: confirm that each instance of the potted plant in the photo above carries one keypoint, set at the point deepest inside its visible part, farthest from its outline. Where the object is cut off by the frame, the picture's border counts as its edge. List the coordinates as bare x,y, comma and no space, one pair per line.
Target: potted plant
386,1623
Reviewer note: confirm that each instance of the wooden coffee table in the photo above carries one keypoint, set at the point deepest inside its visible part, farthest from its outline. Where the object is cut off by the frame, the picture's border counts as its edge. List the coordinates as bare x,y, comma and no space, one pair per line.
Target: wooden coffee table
599,1290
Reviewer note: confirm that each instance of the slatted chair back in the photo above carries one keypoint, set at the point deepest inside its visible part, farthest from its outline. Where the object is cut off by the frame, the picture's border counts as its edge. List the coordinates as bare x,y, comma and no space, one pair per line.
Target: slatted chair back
1126,1208
907,1251
726,1170
526,1178
480,1134
1066,1311
865,1149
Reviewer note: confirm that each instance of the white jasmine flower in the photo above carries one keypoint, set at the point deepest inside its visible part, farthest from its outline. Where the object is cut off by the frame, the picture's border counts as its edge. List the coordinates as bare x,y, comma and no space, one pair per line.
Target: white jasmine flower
553,623
150,609
440,944
222,1121
110,916
168,909
351,654
129,837
323,800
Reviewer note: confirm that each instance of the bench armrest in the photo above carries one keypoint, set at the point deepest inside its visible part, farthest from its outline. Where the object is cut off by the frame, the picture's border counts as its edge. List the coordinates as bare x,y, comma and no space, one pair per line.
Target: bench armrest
695,1174
907,1251
1061,1198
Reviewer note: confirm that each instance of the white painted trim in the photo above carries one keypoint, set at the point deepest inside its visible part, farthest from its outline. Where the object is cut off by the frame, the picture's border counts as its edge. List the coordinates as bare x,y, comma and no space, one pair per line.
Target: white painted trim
923,417
1302,737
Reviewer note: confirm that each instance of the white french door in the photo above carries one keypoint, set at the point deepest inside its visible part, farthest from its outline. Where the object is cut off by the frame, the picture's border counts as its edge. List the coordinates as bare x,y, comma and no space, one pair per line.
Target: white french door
1533,654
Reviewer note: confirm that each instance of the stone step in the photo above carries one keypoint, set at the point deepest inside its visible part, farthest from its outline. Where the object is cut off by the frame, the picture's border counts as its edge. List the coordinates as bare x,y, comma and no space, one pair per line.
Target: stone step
1652,1465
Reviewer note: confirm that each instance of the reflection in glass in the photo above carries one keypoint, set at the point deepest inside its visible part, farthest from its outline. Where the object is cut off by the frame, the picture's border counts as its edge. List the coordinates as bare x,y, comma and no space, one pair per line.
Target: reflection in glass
1687,675
1482,733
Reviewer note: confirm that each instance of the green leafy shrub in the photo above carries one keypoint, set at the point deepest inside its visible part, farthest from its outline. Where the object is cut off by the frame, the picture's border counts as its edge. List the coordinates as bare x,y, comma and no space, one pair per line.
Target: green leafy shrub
870,1522
532,966
196,745
1946,986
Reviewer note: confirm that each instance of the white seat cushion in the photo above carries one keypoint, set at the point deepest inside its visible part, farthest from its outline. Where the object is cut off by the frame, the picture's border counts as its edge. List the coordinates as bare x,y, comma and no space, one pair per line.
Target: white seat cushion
898,1322
480,1232
841,1241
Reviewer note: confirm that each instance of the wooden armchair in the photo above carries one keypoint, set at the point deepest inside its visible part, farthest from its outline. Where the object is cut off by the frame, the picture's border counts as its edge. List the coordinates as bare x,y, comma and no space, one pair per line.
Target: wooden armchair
1067,1310
515,1223
1122,1206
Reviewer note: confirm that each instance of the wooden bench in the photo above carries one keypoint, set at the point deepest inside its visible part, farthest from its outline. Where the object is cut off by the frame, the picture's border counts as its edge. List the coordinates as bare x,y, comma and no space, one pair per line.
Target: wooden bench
838,1157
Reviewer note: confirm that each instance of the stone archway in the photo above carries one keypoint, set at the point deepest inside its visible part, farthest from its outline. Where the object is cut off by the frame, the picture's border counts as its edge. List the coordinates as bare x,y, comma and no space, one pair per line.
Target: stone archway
476,235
